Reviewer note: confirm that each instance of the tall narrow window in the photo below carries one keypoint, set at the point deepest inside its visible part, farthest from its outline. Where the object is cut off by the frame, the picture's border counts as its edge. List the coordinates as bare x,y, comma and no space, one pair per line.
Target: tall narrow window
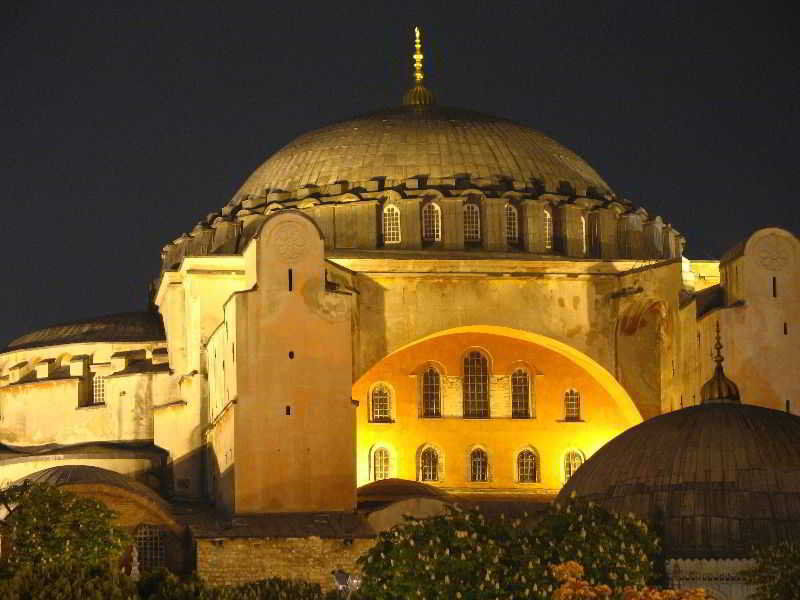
429,465
583,235
527,469
381,401
431,393
149,540
572,405
472,223
391,224
476,385
774,287
479,465
431,222
594,234
548,230
520,394
380,464
572,461
512,224
98,389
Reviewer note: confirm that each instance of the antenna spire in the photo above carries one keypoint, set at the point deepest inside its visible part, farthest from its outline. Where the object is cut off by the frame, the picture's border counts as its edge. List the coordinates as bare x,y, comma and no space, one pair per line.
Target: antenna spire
418,95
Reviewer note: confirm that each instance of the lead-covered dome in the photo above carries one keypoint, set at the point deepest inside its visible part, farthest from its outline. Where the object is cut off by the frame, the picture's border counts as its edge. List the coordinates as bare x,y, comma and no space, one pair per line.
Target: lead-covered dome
428,141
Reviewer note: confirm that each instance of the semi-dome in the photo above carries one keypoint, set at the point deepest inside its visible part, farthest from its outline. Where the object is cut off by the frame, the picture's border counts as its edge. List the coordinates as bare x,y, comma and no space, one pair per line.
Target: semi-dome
423,141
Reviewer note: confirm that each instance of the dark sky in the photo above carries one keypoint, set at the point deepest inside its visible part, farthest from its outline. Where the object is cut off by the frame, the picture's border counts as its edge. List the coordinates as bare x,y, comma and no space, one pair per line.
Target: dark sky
123,123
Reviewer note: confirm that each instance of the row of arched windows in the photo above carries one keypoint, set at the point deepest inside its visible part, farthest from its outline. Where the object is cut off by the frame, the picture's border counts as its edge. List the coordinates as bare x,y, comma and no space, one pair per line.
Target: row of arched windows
429,469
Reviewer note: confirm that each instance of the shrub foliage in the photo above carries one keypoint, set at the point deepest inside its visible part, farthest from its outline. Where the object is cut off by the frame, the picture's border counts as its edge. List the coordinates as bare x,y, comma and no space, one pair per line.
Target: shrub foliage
777,572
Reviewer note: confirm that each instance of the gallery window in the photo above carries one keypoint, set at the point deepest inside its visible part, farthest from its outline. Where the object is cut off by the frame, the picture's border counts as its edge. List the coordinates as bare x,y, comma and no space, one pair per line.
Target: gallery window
380,464
150,547
479,465
520,394
429,465
512,224
572,405
572,461
472,223
527,468
548,230
391,224
431,393
98,389
475,384
431,222
381,403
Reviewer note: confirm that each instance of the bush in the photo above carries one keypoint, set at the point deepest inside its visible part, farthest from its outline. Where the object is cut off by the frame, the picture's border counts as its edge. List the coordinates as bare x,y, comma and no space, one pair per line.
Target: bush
777,572
463,555
67,582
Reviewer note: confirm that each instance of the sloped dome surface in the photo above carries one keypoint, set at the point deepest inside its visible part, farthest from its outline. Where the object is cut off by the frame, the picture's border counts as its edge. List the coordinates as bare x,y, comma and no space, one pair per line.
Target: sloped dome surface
719,478
432,141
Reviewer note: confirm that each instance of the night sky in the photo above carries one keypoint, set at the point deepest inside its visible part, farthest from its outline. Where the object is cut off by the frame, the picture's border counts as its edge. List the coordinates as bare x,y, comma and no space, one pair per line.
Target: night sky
123,123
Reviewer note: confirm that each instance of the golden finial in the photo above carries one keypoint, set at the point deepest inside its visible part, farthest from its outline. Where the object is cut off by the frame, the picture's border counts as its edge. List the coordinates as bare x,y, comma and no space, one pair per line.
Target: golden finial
419,94
418,75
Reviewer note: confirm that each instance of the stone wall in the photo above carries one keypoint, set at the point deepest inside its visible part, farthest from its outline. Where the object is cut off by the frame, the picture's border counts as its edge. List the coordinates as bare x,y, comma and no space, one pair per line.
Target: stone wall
240,560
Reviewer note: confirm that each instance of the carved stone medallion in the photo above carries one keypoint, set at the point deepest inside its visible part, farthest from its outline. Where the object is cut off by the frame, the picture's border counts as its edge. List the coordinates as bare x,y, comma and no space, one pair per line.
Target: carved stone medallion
290,241
773,252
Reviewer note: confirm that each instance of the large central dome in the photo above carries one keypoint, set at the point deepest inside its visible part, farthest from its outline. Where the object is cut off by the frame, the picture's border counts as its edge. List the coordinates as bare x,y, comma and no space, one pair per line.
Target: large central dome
429,141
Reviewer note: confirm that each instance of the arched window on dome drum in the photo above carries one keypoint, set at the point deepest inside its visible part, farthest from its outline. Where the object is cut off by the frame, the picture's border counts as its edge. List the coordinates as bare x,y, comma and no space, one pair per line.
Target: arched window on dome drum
380,464
431,393
548,230
150,547
572,461
584,247
476,385
391,224
527,469
472,223
429,465
479,465
572,405
520,394
512,224
594,234
431,222
381,399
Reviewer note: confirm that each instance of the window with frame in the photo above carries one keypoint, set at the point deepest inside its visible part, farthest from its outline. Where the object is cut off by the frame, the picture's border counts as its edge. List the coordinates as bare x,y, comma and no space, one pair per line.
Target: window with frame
520,394
431,393
572,462
572,405
391,224
472,223
512,224
527,469
429,465
548,230
150,547
476,385
98,389
431,222
381,403
380,464
479,465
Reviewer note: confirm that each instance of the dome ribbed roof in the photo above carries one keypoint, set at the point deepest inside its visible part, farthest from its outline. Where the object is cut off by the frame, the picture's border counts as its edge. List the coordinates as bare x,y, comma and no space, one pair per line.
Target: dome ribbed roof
719,478
426,140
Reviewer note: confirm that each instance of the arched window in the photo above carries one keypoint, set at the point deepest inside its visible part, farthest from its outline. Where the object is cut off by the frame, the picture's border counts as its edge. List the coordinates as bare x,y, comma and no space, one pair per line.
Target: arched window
150,547
380,464
478,465
548,230
476,385
431,393
584,247
381,403
594,234
431,222
391,224
472,223
572,461
520,394
572,405
429,465
527,467
512,224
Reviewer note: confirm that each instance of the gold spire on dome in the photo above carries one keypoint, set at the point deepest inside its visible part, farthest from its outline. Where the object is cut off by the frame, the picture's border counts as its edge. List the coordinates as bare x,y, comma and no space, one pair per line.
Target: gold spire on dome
419,94
719,389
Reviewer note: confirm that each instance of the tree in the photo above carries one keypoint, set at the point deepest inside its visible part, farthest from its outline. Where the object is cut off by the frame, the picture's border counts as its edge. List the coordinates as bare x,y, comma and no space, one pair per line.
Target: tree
776,573
46,525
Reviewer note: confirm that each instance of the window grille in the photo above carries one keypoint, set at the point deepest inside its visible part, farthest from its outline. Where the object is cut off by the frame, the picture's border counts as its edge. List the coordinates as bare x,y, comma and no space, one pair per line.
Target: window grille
98,389
431,222
583,236
429,465
572,461
520,394
431,393
476,385
548,230
526,467
150,546
572,405
391,224
479,465
512,224
381,401
472,223
380,464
